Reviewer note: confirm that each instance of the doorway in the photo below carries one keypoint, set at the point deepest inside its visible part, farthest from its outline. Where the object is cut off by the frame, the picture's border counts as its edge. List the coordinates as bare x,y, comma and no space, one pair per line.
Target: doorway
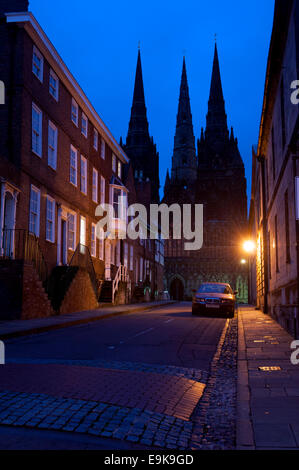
8,240
177,290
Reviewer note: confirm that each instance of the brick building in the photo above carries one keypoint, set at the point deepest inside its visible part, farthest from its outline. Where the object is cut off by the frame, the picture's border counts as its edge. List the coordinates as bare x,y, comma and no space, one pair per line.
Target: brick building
58,161
275,168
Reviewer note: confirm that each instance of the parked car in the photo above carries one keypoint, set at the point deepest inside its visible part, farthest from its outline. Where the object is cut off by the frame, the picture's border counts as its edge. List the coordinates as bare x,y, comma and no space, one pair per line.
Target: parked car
214,299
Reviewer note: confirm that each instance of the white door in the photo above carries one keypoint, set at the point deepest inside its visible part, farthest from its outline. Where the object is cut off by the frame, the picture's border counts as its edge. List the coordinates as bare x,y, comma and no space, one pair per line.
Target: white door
82,234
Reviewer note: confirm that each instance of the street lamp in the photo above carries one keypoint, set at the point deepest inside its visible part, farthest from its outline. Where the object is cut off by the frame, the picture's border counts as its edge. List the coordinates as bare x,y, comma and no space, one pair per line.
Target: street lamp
249,247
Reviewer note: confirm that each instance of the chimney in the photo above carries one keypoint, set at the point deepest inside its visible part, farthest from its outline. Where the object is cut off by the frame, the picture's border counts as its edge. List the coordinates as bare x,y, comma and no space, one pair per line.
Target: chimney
11,6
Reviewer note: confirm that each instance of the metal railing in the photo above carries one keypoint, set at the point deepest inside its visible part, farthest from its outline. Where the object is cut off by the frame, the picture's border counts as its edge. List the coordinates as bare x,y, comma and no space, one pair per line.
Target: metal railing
82,259
20,244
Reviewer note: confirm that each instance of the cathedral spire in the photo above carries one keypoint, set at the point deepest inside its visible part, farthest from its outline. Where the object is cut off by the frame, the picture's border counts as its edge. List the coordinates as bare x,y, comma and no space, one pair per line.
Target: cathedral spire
184,166
138,125
216,129
140,146
184,115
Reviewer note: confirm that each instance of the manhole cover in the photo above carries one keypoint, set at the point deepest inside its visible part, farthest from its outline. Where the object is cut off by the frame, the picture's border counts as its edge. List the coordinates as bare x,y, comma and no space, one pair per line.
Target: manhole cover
269,369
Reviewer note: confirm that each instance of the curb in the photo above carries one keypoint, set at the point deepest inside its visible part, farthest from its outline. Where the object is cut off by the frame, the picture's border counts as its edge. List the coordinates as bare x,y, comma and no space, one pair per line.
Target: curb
44,329
245,435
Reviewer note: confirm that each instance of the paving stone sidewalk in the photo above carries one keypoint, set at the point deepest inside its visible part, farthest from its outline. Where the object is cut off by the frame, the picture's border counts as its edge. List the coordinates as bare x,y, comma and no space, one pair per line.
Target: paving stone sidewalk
268,401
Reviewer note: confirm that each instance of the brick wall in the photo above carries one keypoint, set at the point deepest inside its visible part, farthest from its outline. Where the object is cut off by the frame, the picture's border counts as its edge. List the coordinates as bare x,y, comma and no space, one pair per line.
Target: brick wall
35,302
80,295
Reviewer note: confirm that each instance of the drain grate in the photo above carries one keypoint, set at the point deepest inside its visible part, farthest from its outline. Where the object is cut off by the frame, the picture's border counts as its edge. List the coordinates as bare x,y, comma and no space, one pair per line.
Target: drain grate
269,369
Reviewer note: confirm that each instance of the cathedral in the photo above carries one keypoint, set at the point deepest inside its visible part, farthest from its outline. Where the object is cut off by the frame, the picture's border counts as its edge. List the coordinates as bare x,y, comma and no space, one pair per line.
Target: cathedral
210,172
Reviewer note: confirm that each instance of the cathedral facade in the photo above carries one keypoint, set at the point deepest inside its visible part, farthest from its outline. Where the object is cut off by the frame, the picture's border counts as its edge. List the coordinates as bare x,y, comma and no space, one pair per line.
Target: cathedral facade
212,174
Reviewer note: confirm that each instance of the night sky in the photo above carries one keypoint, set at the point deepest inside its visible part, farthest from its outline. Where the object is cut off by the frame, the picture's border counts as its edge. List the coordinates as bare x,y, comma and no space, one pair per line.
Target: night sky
98,41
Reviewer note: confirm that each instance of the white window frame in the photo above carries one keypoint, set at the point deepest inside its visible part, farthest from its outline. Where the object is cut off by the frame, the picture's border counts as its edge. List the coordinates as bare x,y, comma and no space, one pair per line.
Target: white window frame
74,231
83,175
39,133
74,167
34,189
55,95
103,190
75,116
84,130
52,149
39,55
95,139
93,241
95,185
50,202
103,148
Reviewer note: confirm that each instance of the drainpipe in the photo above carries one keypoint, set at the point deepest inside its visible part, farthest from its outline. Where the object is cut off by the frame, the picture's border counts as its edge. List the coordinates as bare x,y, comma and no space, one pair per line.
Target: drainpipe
261,160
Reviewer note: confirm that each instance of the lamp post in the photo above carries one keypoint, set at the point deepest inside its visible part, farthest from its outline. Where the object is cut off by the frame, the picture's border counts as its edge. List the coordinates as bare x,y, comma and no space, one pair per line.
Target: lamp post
249,248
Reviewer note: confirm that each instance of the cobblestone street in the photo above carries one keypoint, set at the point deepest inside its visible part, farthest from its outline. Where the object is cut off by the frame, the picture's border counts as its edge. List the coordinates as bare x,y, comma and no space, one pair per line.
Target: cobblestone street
152,405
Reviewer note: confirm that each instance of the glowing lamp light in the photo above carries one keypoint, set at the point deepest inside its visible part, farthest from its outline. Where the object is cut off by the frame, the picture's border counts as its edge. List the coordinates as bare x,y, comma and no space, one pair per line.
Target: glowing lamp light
249,246
243,261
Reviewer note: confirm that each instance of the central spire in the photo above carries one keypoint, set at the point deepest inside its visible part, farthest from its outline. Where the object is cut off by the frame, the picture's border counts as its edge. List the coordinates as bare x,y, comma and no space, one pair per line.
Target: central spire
184,115
184,166
216,128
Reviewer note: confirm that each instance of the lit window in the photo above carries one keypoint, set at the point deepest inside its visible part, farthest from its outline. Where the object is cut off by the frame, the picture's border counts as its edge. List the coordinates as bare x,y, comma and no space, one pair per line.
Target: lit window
34,213
119,169
95,139
84,125
102,190
113,163
83,175
82,231
50,220
37,119
73,166
52,145
75,112
53,85
103,149
72,219
95,185
37,64
131,258
93,245
125,254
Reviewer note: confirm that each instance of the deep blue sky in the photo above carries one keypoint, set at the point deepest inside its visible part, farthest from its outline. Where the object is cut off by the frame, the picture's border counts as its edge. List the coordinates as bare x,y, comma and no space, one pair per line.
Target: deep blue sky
98,41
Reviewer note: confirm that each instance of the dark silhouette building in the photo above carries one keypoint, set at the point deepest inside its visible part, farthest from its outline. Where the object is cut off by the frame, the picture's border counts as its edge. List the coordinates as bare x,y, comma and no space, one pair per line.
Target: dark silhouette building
215,177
